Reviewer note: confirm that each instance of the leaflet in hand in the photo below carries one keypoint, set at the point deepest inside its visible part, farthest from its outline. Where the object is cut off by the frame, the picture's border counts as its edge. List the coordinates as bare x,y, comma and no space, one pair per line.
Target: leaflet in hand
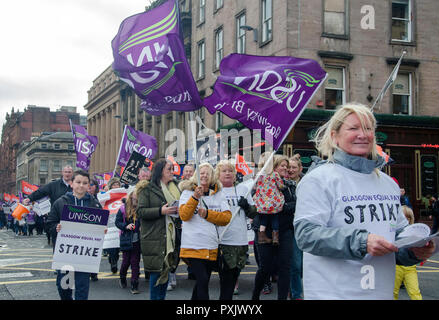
415,235
42,206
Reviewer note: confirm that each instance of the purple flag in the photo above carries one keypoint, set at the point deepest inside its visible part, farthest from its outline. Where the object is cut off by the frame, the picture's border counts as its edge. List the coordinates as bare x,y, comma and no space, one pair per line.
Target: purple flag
149,56
138,141
266,93
100,179
85,145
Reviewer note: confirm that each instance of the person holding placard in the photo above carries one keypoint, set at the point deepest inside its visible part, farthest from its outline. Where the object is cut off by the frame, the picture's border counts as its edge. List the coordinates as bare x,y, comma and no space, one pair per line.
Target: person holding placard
78,197
348,214
54,190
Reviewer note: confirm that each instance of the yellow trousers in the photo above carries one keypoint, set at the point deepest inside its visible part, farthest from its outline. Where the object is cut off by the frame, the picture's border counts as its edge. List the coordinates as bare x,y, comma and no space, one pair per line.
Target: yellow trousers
409,276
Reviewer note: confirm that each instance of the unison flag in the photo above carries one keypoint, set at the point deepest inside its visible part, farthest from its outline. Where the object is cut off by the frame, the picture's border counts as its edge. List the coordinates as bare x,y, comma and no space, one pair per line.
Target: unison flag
266,93
149,56
85,145
138,141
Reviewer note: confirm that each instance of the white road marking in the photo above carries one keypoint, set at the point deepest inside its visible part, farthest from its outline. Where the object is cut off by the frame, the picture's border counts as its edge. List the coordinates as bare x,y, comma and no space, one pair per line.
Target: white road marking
16,275
7,262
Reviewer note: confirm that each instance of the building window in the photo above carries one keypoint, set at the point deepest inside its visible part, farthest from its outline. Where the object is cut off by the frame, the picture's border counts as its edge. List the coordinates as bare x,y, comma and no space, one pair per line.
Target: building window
202,12
201,59
401,94
43,165
57,146
267,21
70,163
70,146
44,145
219,4
42,181
56,165
240,34
401,20
335,87
335,18
219,47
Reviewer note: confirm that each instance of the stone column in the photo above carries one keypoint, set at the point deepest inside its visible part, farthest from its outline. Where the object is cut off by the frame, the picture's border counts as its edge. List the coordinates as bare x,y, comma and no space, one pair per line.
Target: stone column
97,133
104,142
108,164
118,128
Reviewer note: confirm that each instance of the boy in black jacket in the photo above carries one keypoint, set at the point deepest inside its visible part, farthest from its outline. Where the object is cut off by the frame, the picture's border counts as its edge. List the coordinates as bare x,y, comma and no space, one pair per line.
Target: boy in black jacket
79,197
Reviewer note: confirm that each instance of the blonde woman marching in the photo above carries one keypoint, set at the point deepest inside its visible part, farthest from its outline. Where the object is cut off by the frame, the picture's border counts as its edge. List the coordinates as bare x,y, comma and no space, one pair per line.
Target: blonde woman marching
348,214
233,237
202,208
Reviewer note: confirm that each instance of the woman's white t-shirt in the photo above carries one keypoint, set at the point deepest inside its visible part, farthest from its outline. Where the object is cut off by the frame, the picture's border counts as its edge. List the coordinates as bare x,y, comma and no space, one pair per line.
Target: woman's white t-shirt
197,232
336,197
236,234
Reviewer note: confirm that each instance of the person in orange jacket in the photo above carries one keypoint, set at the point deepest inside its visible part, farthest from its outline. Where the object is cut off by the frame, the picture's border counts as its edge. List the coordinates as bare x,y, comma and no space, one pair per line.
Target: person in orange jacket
202,208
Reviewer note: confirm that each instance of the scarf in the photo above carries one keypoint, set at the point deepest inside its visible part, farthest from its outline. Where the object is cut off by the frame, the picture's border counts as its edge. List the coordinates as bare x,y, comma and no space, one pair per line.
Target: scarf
171,194
355,163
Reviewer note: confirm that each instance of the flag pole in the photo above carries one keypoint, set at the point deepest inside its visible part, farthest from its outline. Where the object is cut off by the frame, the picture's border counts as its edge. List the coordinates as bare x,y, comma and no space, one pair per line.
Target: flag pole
235,213
194,141
388,83
120,148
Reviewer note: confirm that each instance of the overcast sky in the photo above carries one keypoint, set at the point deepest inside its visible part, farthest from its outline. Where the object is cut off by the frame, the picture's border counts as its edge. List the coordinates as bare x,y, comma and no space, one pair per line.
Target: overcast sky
52,50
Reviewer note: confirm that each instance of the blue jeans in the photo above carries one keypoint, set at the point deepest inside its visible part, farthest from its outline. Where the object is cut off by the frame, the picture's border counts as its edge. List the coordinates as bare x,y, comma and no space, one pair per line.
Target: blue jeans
269,219
157,292
296,272
82,285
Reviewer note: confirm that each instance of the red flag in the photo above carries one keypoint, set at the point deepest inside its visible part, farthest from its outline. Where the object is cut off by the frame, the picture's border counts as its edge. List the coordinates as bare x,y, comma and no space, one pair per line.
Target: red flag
28,188
107,177
112,200
241,166
149,164
177,168
382,153
7,196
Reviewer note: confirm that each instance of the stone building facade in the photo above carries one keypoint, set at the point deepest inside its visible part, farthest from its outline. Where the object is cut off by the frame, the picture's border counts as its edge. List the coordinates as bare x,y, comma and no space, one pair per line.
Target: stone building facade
41,159
336,33
357,43
19,127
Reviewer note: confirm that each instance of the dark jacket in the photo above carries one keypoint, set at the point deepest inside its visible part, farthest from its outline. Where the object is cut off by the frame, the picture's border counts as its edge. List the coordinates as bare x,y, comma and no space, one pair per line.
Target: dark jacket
126,236
54,190
54,216
435,209
152,225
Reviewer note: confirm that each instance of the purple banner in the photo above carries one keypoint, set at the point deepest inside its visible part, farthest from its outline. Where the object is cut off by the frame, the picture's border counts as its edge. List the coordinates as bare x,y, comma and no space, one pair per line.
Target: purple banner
266,93
85,145
100,179
138,141
149,56
85,215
